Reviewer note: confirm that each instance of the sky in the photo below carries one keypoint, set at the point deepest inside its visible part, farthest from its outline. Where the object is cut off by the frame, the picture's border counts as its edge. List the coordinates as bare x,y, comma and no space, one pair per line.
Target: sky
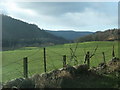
78,16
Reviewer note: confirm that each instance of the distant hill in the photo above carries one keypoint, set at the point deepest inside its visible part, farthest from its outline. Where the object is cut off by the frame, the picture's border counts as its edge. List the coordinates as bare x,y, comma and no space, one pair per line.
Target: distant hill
69,35
16,33
108,35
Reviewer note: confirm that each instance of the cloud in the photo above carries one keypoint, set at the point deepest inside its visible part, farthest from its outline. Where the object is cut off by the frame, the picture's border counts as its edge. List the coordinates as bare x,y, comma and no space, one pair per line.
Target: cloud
90,17
65,15
12,9
84,20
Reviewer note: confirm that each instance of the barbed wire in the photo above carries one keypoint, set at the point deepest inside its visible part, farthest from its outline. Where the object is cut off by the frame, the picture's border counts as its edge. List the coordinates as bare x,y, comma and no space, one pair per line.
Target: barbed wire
35,60
21,59
56,52
33,53
51,63
12,72
15,62
19,72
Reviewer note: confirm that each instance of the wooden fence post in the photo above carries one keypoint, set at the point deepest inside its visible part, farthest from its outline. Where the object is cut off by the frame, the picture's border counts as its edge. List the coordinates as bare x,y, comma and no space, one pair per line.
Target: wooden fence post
104,57
88,59
45,60
113,52
25,63
64,61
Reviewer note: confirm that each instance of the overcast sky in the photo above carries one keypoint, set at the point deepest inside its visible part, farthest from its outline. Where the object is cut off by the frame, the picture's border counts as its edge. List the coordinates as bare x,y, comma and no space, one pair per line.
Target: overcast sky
79,16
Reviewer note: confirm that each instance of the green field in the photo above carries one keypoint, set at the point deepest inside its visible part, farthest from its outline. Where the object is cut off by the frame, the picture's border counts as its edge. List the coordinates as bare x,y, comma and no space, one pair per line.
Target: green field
12,61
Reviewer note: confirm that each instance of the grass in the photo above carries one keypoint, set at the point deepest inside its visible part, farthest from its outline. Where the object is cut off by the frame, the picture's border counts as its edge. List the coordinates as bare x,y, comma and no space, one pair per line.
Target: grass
12,61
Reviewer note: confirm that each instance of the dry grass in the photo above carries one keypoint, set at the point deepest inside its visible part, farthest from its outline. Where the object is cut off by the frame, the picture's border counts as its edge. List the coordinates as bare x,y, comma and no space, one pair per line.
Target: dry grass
114,65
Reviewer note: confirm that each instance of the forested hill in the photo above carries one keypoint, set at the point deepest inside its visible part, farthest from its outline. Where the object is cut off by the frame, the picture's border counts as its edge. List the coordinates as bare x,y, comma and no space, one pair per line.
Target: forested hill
108,35
16,33
70,35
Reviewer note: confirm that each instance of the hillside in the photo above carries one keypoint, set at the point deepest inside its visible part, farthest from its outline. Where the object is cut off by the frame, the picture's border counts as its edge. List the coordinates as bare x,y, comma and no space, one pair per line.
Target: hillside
69,35
17,33
108,35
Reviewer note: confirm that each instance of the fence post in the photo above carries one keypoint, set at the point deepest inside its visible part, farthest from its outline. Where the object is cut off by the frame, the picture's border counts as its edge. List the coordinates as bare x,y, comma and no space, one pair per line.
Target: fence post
64,61
113,52
25,63
45,60
104,57
88,59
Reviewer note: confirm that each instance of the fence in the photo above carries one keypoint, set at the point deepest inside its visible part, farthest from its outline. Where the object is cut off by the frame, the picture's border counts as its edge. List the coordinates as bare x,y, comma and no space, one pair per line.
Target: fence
46,59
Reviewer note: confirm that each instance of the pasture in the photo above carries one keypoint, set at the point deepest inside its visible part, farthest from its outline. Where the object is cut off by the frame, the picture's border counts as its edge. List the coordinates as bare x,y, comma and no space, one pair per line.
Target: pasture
12,61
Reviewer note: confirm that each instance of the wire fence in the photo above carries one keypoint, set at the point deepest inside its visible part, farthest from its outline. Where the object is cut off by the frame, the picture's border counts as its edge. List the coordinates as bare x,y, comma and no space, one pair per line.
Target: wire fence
54,60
